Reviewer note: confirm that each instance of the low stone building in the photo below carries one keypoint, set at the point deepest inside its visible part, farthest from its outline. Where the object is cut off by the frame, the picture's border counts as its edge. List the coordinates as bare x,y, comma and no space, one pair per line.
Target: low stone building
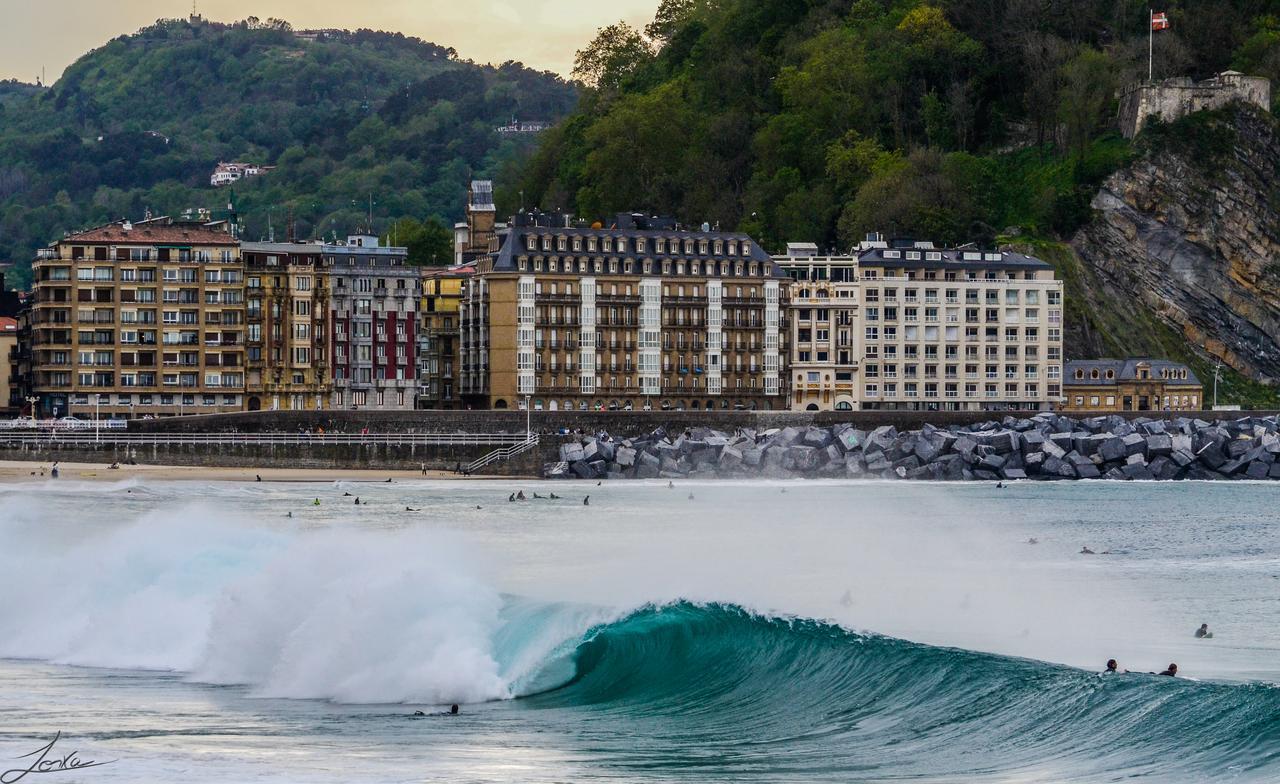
1174,98
1106,385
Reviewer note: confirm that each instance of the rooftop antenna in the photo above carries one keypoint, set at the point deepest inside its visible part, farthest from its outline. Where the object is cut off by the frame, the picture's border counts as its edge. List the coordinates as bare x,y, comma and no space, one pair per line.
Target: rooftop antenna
289,232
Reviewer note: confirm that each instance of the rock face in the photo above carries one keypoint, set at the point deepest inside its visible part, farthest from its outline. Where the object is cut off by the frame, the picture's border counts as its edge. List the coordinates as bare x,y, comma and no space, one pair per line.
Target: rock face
1188,234
1047,446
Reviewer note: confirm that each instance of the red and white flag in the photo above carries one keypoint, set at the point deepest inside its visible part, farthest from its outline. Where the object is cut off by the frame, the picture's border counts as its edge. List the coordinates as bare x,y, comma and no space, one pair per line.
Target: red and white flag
1160,21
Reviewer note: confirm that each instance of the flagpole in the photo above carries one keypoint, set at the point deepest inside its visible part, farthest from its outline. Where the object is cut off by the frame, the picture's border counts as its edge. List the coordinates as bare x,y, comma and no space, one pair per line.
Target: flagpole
1151,45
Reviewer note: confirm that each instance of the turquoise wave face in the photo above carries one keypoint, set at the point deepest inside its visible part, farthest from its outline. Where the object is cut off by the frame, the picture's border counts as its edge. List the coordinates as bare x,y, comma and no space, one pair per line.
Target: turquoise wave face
717,688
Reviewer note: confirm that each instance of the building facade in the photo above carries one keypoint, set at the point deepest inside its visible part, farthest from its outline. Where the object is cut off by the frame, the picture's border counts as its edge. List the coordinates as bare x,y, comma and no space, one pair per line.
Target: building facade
1110,385
286,314
11,401
440,338
472,238
374,297
133,319
642,315
906,326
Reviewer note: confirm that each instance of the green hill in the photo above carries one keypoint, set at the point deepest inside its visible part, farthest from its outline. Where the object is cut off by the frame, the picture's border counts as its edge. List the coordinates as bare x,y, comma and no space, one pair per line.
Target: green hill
819,120
141,122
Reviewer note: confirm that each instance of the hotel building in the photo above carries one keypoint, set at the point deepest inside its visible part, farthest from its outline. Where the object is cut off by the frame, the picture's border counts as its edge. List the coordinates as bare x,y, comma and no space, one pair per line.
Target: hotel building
130,319
907,326
286,310
374,296
642,315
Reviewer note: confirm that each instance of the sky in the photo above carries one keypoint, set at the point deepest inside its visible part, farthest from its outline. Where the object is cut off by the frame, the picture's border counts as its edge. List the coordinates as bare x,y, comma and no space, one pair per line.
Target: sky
544,34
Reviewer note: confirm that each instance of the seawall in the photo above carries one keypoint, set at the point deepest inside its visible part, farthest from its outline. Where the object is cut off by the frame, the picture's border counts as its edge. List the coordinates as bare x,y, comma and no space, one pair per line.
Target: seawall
314,453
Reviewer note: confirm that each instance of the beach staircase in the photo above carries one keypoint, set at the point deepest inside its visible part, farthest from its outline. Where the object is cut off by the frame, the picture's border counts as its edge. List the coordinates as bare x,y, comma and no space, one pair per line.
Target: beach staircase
503,453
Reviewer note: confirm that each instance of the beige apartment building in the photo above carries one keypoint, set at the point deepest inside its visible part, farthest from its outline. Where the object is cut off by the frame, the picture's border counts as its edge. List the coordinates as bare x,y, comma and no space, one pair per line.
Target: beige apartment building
134,319
641,315
907,326
286,312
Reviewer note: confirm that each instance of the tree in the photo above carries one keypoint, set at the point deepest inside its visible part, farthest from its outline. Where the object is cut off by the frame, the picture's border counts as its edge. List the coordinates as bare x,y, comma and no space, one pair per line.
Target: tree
1087,87
616,53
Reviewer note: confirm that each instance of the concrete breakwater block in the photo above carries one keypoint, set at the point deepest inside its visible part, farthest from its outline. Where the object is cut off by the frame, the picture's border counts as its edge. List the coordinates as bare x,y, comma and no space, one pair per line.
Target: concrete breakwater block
1047,446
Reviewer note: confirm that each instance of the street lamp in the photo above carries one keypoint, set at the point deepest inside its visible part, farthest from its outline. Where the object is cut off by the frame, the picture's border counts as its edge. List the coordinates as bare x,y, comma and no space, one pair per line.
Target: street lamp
528,417
97,423
31,403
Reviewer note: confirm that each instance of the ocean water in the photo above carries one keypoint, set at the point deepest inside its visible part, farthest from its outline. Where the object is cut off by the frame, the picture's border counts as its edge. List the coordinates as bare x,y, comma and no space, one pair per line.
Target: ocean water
711,631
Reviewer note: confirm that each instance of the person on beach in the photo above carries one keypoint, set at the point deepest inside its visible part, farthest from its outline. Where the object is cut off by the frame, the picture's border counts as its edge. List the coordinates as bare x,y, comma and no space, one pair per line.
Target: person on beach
53,472
257,477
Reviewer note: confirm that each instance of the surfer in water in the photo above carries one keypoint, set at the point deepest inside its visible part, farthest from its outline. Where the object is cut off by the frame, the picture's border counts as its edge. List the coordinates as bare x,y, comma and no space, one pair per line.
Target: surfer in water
512,499
1112,668
586,501
520,496
1172,672
1203,632
1086,551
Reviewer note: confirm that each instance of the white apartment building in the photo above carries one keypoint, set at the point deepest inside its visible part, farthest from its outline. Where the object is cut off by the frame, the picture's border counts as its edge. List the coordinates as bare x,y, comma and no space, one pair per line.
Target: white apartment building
903,325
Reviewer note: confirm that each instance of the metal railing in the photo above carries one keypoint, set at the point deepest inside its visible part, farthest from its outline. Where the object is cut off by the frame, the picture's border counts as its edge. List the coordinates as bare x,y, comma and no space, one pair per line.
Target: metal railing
267,439
528,442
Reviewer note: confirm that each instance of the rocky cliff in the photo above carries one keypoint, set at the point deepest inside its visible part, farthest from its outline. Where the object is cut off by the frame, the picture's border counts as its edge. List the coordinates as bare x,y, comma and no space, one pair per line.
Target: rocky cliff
1183,256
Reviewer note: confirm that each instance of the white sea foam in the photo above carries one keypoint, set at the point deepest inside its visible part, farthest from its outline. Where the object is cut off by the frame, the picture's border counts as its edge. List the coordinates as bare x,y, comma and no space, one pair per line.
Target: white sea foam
354,617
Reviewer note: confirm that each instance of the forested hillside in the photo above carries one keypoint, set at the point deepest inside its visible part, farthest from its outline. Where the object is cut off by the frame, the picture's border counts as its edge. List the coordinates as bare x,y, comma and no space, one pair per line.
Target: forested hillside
140,123
957,120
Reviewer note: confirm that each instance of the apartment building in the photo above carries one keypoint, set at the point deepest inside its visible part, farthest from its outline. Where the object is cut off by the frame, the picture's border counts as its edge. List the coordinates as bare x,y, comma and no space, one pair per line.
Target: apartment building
133,319
286,315
903,325
11,401
440,337
1101,386
374,298
472,237
641,315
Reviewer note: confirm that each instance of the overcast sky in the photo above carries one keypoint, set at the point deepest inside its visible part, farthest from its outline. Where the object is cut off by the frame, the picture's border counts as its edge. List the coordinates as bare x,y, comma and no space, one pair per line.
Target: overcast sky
540,33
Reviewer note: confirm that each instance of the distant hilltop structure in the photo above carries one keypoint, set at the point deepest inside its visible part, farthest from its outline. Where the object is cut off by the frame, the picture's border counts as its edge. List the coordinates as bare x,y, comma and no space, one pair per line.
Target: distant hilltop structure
528,126
1174,98
227,173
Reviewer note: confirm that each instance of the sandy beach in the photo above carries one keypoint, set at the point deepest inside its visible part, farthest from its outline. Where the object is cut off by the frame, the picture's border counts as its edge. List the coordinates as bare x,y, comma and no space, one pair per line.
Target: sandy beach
22,471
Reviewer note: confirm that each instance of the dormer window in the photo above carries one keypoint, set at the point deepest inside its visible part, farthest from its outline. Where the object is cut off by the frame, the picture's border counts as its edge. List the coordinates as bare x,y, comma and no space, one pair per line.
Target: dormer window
641,242
561,244
1111,374
531,242
733,248
546,242
591,244
607,246
648,266
688,247
702,247
755,269
1079,374
1094,375
695,268
577,244
662,245
679,267
719,247
666,268
628,267
554,266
